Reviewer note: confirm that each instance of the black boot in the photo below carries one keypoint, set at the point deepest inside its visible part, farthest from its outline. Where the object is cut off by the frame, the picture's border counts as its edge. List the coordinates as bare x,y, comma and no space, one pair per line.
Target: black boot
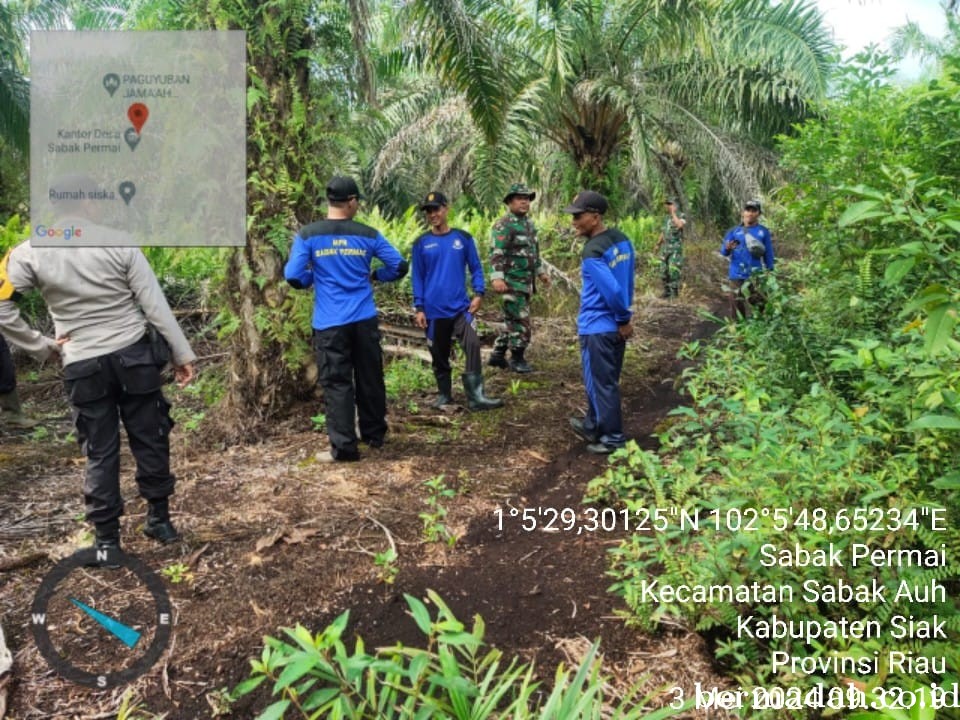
476,400
498,359
158,524
106,543
444,390
518,364
107,535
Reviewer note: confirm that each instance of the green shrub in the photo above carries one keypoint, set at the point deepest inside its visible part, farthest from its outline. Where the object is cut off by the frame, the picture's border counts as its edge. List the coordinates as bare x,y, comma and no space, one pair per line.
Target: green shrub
454,678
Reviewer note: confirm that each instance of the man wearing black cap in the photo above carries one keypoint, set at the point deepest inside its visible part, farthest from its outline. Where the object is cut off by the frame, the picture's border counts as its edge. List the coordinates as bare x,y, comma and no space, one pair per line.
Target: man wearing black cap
750,249
515,259
440,259
334,257
604,322
670,245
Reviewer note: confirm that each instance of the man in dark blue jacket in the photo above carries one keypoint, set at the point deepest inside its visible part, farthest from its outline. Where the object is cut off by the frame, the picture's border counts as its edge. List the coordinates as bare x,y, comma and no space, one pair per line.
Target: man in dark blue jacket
440,259
750,249
334,256
604,321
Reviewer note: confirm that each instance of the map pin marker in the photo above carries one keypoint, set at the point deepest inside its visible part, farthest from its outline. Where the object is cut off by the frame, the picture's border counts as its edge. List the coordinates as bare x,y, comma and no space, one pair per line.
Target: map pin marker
127,190
132,137
138,115
111,81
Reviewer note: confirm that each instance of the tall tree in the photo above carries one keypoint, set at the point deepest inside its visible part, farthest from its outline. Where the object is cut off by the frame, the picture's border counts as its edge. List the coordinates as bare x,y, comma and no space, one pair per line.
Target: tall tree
629,89
14,90
299,68
17,19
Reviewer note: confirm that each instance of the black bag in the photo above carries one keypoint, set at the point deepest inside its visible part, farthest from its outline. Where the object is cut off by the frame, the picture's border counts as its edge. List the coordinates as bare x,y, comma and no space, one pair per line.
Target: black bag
158,346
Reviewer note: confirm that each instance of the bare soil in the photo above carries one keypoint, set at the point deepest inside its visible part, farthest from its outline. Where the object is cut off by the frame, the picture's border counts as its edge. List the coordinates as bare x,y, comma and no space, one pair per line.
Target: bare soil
271,538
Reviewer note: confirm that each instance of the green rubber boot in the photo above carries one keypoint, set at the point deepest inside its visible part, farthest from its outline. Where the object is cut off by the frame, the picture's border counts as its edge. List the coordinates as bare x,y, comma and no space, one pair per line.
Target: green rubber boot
11,413
476,400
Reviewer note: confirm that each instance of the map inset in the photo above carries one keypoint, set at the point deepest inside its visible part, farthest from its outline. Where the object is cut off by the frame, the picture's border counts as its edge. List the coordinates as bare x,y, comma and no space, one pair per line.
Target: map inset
138,138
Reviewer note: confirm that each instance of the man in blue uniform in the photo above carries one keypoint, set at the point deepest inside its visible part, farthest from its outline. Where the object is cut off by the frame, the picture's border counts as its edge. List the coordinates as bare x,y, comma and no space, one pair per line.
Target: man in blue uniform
604,321
440,259
750,249
334,257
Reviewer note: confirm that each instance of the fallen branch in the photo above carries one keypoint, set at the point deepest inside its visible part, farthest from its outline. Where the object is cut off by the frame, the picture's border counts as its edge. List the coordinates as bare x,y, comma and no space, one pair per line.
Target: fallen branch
19,562
410,352
554,272
393,545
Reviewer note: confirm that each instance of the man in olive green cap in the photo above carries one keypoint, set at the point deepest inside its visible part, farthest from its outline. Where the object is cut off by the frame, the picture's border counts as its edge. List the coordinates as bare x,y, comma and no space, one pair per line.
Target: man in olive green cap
515,261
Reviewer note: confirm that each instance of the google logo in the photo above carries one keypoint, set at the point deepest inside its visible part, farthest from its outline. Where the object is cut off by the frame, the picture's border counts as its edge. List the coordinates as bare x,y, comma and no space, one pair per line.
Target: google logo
65,233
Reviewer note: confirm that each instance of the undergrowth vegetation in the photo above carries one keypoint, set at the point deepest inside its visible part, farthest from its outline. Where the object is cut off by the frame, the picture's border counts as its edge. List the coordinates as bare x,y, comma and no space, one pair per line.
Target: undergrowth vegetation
454,677
829,420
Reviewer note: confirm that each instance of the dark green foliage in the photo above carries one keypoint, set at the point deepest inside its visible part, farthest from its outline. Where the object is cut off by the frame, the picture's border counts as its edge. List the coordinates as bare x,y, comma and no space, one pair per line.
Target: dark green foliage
841,397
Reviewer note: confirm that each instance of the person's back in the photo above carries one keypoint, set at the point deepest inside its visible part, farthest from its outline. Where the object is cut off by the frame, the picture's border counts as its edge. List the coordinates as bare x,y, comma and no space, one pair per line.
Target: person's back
333,256
339,252
88,294
101,299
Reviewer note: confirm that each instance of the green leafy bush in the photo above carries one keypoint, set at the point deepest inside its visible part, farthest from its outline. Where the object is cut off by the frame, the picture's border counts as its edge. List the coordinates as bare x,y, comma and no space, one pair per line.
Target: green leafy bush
840,400
455,677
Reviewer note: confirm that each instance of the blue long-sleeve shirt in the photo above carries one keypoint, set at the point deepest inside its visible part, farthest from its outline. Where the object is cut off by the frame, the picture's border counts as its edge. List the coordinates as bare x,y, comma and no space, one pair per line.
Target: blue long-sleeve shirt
742,263
335,256
607,268
439,266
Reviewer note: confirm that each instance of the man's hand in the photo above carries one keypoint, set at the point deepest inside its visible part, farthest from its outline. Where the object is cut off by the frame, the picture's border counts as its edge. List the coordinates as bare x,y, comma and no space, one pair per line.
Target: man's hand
475,304
545,279
420,320
731,244
626,331
54,350
499,286
184,374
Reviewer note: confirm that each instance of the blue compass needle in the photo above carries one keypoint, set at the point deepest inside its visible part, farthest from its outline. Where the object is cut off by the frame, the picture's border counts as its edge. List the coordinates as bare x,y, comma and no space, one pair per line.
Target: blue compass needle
127,635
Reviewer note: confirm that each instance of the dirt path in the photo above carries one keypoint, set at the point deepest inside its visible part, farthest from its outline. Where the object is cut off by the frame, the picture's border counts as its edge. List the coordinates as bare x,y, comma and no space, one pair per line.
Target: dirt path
272,538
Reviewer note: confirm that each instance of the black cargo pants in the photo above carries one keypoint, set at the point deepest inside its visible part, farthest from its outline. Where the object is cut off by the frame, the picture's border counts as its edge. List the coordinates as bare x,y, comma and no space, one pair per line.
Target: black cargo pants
123,385
350,364
8,377
441,333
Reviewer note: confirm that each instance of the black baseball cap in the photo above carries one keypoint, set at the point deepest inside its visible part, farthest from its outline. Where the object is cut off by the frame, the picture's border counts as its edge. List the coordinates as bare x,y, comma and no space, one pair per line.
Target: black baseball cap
587,201
434,200
753,204
342,188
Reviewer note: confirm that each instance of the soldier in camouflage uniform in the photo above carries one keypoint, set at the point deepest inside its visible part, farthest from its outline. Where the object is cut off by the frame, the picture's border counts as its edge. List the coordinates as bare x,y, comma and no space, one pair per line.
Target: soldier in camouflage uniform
671,249
515,259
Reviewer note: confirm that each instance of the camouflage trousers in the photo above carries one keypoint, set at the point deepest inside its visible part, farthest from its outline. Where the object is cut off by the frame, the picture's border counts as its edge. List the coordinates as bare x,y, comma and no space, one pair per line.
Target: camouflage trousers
516,315
671,263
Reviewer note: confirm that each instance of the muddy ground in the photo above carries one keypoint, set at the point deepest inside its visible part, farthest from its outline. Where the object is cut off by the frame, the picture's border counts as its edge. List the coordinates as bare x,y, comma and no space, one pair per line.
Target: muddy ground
272,538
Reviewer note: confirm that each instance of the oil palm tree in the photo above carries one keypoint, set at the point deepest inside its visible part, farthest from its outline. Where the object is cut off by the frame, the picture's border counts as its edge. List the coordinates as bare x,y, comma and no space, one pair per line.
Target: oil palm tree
17,19
14,89
629,90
